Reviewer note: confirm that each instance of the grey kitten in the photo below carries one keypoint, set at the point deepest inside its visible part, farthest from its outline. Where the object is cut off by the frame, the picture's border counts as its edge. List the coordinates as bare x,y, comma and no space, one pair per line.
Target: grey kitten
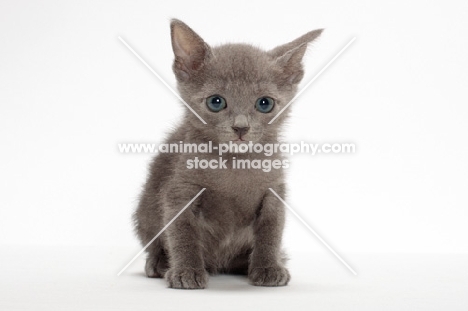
236,224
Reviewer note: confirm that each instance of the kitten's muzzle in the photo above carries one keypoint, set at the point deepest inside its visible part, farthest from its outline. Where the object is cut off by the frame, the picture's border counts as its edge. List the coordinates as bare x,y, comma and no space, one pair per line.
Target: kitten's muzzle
240,131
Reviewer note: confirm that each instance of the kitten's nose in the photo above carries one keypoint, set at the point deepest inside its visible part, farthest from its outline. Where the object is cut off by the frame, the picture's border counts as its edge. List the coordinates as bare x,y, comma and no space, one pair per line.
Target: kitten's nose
240,130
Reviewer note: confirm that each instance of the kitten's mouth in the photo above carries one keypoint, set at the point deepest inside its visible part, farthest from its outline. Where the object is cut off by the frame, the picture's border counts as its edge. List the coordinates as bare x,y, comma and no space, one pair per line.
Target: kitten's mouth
238,140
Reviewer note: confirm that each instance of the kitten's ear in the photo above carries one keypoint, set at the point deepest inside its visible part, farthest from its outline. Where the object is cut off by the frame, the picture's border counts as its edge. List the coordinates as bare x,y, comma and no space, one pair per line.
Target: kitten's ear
189,49
289,57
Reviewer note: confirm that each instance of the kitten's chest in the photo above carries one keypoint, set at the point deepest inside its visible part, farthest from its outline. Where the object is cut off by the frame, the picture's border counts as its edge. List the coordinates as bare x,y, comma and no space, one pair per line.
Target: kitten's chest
236,182
235,195
242,190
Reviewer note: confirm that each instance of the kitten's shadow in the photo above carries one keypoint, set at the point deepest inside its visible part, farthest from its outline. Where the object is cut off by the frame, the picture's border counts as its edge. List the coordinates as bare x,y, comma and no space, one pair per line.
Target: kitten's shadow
139,274
229,282
219,282
239,283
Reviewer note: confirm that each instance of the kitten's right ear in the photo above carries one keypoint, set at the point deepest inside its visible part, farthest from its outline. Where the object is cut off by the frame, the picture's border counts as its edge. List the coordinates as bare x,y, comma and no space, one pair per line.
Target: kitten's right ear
190,50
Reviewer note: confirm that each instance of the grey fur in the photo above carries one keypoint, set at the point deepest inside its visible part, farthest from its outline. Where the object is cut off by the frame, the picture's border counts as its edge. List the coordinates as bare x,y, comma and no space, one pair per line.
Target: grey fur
236,225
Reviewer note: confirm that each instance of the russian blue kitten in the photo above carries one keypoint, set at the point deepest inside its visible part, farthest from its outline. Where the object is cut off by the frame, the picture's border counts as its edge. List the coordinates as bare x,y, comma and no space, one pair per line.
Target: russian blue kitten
236,224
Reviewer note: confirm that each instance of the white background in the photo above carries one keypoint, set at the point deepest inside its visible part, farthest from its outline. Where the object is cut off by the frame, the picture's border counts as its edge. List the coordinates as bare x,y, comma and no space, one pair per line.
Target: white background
70,91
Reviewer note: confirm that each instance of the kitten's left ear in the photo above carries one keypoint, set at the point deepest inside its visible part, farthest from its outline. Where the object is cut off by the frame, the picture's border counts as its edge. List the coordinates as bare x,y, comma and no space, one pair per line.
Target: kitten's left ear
289,57
189,49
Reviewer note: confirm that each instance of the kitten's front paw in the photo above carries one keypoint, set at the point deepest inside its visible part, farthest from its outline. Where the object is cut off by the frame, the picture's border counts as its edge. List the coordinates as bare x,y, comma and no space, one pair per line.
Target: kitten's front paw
271,276
186,278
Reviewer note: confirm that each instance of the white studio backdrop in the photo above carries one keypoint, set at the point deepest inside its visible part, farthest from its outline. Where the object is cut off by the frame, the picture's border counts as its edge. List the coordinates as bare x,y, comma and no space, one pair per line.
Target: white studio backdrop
70,91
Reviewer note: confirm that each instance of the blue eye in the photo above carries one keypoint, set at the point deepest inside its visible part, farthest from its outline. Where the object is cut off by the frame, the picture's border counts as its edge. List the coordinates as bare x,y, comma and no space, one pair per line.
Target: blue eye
216,103
265,104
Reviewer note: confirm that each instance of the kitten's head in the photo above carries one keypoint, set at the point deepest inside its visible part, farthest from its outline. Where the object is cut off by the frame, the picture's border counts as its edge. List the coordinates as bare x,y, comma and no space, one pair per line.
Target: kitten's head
236,88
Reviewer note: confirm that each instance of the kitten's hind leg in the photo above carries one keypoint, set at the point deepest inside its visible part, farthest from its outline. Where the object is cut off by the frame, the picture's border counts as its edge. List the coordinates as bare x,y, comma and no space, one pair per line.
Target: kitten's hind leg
156,263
